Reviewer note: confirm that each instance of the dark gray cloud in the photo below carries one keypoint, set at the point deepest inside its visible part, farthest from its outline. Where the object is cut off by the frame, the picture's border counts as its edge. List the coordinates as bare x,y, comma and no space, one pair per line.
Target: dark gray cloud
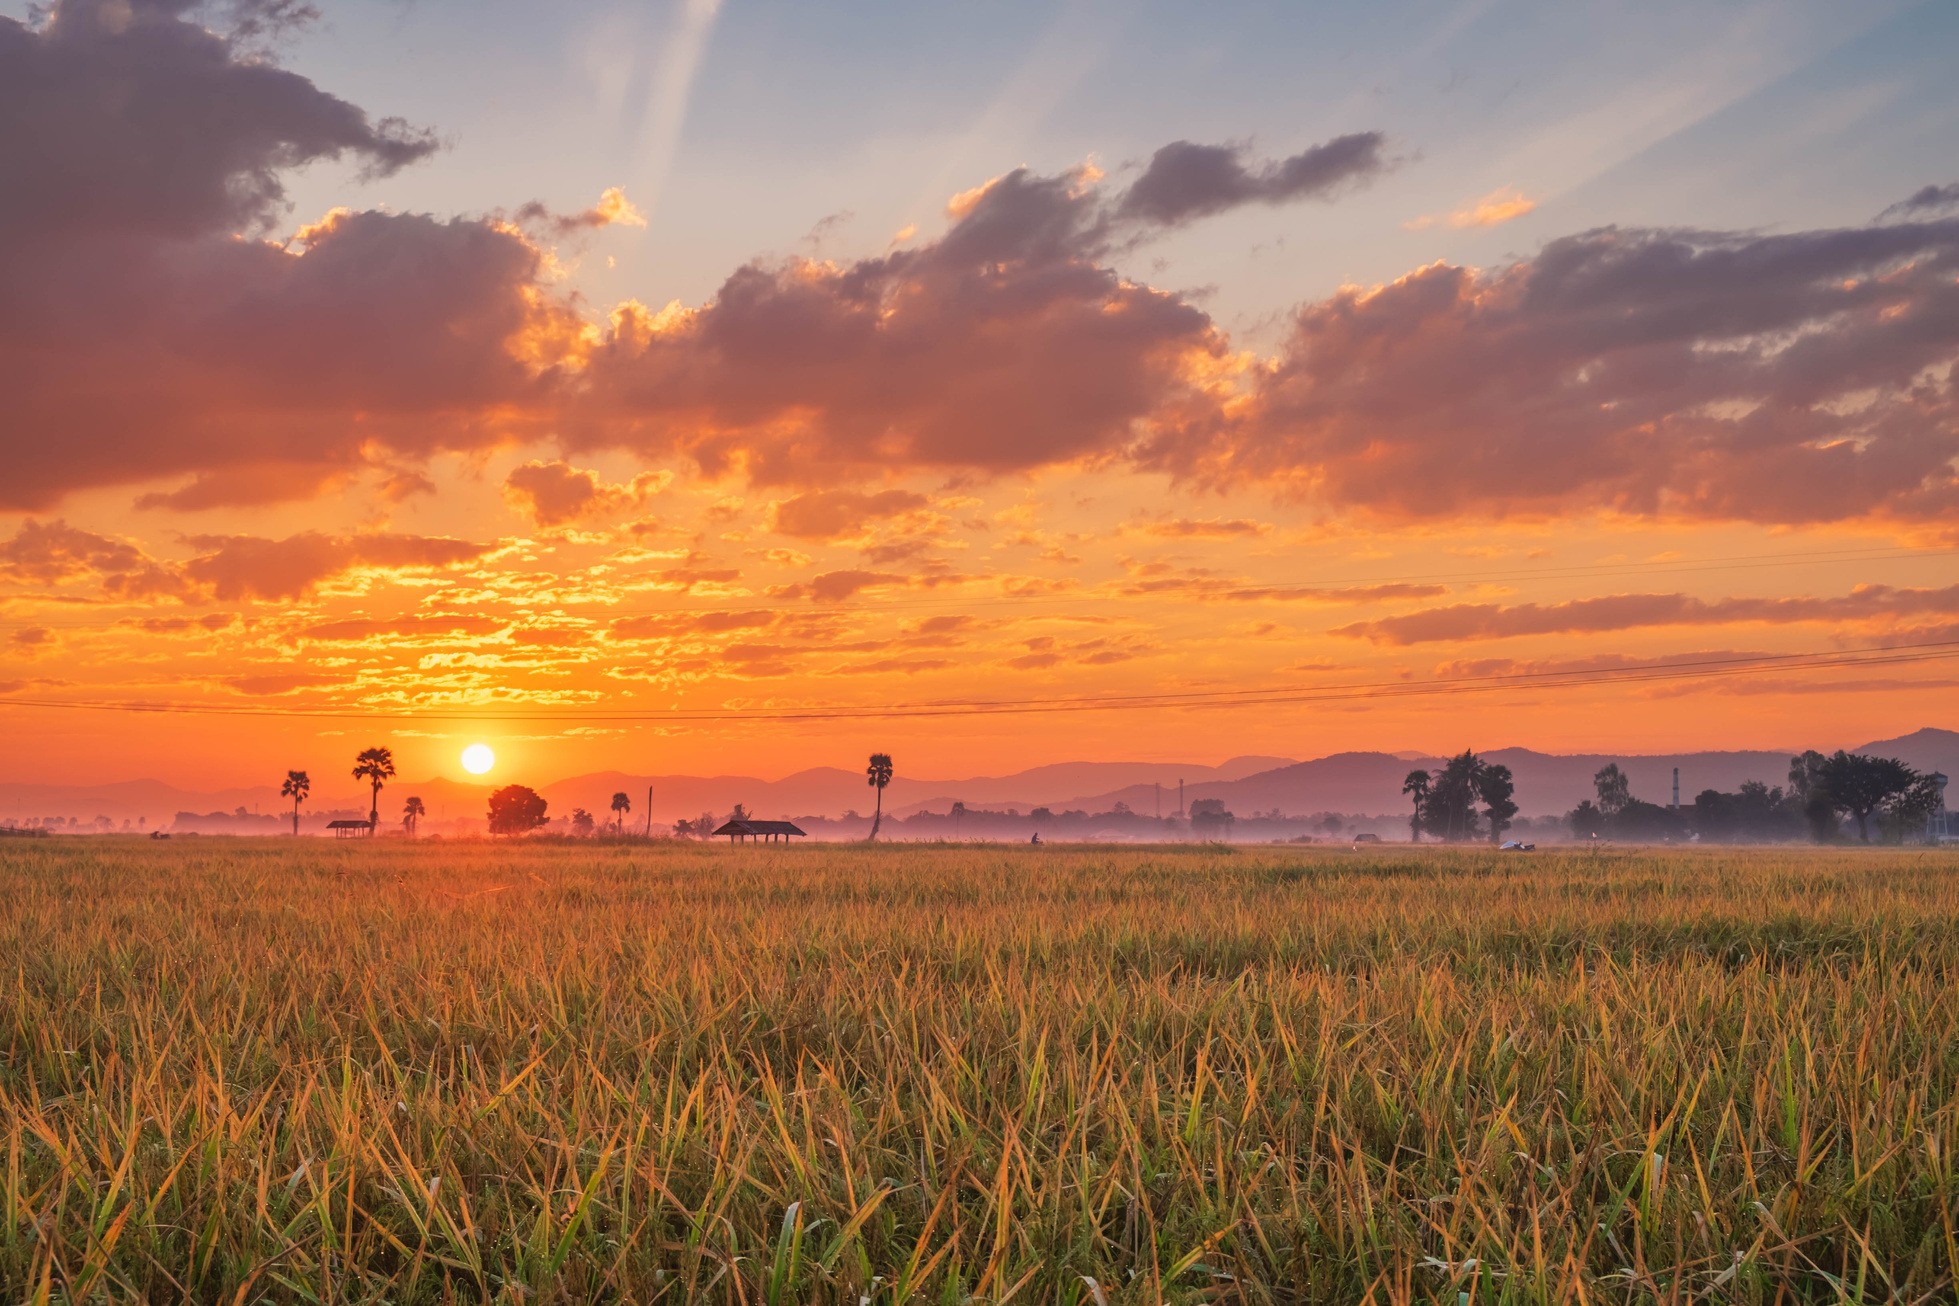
141,337
1926,202
121,115
1185,181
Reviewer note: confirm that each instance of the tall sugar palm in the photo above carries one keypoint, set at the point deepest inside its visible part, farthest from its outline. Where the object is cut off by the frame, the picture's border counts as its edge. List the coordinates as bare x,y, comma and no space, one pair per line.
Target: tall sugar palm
412,813
296,787
620,806
375,765
878,773
1416,786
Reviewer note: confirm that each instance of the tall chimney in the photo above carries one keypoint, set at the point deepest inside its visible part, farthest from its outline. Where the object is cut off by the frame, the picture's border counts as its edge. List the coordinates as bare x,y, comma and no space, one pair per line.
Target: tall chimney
1676,788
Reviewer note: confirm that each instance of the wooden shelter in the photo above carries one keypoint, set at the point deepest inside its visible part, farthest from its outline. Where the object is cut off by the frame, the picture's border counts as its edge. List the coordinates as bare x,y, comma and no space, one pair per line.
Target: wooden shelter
351,829
764,830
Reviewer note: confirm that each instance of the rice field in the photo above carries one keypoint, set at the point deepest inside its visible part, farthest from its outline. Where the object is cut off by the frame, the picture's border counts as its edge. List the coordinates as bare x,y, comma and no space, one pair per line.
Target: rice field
265,1070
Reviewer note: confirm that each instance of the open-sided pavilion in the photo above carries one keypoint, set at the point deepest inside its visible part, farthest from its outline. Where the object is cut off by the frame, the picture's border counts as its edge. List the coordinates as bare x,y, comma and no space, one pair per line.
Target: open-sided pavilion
763,830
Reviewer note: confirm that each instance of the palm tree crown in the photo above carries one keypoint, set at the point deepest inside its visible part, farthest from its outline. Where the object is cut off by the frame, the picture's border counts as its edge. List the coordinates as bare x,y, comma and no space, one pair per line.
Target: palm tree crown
412,811
375,765
620,806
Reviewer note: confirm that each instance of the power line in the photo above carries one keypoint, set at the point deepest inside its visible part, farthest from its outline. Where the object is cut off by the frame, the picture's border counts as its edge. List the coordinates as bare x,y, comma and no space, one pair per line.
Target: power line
1705,669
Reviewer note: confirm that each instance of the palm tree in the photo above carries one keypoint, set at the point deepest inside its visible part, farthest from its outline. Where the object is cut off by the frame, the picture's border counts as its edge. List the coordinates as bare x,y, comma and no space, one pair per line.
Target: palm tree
412,812
878,773
296,787
620,806
375,765
1416,785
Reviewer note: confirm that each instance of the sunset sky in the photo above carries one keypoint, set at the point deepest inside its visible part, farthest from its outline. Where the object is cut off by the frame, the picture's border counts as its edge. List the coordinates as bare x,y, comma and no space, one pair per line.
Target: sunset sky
740,386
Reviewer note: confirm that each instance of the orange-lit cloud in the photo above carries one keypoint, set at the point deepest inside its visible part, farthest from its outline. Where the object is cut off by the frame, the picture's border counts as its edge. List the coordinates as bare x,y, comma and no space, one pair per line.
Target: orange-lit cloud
556,493
1496,208
834,514
1484,621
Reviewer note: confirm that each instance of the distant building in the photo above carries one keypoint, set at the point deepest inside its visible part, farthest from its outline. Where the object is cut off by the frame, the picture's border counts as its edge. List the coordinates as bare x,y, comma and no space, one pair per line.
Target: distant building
351,829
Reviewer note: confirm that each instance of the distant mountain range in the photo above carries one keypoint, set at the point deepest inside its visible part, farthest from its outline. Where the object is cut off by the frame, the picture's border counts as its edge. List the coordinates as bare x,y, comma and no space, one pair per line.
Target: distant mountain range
1345,782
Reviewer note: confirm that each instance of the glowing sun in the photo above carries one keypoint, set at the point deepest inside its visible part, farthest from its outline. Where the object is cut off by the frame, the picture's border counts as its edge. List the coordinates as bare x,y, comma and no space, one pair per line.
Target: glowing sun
478,758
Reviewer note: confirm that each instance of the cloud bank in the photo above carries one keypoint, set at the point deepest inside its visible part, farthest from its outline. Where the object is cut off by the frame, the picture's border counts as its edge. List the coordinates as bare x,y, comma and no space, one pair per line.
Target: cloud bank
152,330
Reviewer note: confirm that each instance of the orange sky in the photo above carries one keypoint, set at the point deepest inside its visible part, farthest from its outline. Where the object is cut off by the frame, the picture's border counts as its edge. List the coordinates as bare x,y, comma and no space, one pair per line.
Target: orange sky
391,478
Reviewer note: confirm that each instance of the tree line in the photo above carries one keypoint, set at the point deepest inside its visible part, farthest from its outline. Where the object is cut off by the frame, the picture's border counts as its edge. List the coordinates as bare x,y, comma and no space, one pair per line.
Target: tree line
1823,796
1472,799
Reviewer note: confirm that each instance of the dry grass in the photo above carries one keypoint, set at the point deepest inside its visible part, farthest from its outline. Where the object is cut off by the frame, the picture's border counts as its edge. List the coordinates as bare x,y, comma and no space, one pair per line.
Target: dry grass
248,1070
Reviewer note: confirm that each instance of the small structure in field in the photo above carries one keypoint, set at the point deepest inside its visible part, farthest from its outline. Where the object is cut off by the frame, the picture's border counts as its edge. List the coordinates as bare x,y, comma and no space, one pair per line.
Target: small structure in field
351,829
749,828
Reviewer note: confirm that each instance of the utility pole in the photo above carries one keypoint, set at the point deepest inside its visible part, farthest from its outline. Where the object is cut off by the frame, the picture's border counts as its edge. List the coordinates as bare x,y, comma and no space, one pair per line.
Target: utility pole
649,811
1180,800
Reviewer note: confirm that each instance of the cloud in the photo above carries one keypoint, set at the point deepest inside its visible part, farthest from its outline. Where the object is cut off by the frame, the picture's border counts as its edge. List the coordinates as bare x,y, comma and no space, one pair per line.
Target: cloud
1753,686
1004,345
145,121
365,630
149,330
1185,181
1494,209
704,623
1157,579
280,682
152,333
1485,621
1785,379
55,552
895,666
834,514
1477,668
1925,202
1209,528
208,624
233,567
836,586
555,493
32,641
613,209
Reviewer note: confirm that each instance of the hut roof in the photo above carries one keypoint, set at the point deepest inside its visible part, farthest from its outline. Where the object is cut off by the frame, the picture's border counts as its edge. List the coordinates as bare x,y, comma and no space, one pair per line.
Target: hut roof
752,826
